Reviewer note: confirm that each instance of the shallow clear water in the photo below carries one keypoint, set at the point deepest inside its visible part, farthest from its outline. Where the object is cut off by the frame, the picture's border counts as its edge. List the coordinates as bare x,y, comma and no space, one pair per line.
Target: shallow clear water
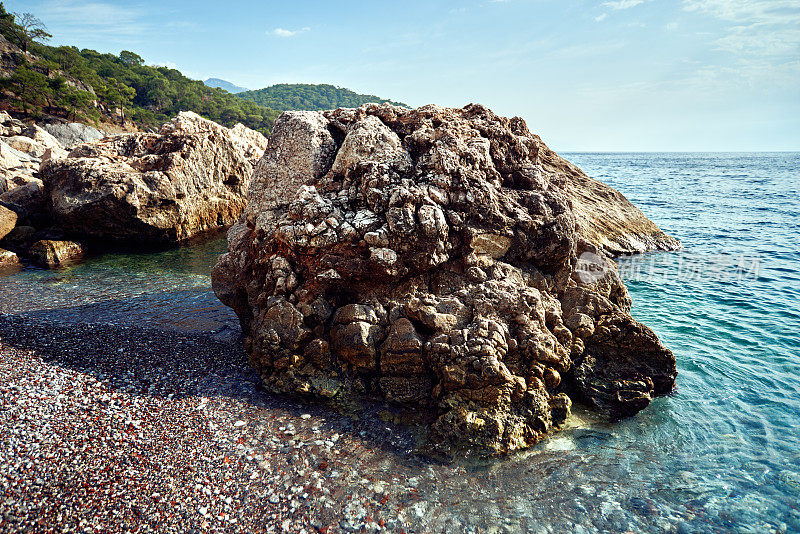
159,289
721,454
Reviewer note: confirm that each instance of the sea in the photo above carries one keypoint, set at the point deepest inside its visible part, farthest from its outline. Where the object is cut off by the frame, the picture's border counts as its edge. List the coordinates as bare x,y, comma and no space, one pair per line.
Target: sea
720,454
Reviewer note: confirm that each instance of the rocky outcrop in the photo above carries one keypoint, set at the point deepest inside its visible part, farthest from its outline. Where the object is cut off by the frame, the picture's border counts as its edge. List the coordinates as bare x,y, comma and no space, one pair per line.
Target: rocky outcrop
434,258
23,147
189,178
71,134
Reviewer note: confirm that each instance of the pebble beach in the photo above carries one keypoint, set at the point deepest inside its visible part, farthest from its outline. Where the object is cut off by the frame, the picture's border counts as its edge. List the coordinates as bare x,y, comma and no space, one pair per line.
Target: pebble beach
111,429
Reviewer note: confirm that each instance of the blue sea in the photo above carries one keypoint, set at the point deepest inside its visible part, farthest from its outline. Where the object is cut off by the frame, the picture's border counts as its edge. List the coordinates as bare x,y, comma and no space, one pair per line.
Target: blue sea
721,454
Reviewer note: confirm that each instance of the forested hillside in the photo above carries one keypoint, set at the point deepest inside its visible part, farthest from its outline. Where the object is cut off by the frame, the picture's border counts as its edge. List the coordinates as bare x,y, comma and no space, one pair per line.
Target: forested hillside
285,96
86,84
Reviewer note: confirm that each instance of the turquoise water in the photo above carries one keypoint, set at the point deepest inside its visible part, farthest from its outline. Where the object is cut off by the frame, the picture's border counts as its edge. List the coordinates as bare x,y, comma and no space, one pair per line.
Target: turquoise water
729,307
721,454
156,289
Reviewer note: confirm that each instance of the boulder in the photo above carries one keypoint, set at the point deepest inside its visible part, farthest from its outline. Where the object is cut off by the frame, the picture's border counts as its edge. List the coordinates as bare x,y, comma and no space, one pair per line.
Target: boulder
41,137
50,253
54,153
27,201
70,135
26,145
9,126
433,258
10,158
8,258
8,220
189,178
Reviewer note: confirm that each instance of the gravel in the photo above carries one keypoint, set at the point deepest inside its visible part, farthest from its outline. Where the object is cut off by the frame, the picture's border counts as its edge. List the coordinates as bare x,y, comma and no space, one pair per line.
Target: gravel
110,428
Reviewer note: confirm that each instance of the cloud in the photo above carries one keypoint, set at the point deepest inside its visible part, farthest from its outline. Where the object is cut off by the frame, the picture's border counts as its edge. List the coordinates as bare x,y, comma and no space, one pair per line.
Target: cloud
601,18
281,32
97,17
762,28
671,26
763,11
754,40
622,4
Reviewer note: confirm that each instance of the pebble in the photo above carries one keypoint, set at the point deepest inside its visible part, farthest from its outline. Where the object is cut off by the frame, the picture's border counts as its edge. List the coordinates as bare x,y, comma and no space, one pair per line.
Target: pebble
173,434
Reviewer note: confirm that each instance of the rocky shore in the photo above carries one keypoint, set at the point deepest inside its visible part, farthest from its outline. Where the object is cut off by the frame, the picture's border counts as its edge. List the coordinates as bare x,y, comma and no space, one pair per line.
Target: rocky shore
68,188
434,266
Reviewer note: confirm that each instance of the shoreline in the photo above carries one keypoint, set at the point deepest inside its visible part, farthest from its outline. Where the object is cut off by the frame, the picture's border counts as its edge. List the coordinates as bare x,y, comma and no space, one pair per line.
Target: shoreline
114,428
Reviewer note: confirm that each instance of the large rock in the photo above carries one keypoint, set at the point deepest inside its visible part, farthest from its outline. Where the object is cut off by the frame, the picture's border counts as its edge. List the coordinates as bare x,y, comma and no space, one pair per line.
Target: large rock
27,201
70,135
8,220
41,137
8,259
10,158
433,258
51,253
167,187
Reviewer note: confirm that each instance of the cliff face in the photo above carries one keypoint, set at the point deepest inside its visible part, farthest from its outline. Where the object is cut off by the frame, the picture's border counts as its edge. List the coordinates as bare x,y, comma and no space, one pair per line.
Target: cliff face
445,259
190,177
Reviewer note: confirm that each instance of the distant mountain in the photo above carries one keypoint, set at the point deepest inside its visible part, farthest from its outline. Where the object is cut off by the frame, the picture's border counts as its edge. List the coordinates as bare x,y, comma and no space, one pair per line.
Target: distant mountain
223,84
312,97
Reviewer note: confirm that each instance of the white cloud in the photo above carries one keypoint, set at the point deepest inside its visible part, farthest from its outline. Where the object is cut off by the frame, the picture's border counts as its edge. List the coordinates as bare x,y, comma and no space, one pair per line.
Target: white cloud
763,28
97,17
281,32
763,11
601,18
671,26
622,4
755,40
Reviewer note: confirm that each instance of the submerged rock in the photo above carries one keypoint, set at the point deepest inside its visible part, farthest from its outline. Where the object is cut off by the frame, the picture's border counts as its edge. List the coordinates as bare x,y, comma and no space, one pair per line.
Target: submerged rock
156,188
434,258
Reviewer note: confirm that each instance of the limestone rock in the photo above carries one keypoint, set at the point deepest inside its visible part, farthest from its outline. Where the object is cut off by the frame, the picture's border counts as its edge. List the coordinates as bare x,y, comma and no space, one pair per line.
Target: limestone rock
26,145
8,220
70,135
41,136
8,258
51,253
430,258
27,201
10,158
189,178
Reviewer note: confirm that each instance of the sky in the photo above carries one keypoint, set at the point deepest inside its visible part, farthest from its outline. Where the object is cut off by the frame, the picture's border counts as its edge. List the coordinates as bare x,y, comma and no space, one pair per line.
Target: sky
619,75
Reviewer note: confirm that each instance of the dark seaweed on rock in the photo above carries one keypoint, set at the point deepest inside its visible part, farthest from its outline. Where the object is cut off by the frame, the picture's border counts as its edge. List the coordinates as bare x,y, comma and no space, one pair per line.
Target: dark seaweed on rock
433,258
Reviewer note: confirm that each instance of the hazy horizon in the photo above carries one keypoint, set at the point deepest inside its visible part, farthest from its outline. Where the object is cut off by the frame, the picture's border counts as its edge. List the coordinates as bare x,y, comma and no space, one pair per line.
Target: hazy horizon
614,76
